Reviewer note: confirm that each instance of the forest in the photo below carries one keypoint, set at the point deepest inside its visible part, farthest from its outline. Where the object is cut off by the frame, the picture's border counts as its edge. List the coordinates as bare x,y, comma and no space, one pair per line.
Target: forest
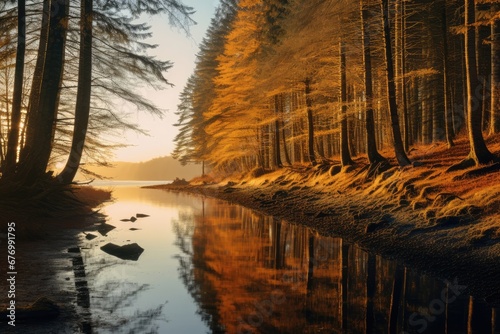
67,69
280,82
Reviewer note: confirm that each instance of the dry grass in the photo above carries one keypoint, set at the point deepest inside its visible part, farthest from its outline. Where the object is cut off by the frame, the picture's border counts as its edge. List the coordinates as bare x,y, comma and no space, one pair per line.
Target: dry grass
438,197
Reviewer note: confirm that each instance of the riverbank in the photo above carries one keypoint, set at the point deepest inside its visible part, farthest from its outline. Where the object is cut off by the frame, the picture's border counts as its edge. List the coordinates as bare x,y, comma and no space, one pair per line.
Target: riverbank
443,223
44,262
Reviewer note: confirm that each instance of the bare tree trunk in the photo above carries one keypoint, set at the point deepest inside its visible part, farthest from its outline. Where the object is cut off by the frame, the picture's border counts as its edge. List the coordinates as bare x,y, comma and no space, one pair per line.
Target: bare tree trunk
495,73
310,122
277,148
478,150
282,111
345,155
38,156
36,85
447,110
404,99
371,143
391,88
13,141
483,61
82,108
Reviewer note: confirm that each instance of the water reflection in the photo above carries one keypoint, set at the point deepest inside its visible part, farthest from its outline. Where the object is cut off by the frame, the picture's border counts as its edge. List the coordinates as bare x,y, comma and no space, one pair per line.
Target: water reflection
251,273
211,266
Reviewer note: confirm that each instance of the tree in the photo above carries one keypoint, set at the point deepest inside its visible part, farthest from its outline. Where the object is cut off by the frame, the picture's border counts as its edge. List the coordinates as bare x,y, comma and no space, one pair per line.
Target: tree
310,122
345,155
447,109
82,109
34,96
495,71
199,92
374,156
37,157
479,153
391,88
12,146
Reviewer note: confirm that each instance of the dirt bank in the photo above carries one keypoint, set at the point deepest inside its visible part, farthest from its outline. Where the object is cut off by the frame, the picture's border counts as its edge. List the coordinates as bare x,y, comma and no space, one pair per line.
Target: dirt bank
447,224
44,267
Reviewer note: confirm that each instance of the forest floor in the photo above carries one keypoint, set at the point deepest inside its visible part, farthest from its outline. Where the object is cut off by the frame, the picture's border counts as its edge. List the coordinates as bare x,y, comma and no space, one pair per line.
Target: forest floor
46,265
443,223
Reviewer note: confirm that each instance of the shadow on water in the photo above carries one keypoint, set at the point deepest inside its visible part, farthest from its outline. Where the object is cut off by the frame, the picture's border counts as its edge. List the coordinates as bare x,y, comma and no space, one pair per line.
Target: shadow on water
227,269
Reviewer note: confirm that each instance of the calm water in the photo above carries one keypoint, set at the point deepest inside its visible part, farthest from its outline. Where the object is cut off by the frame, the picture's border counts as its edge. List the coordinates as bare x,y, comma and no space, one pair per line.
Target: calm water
209,266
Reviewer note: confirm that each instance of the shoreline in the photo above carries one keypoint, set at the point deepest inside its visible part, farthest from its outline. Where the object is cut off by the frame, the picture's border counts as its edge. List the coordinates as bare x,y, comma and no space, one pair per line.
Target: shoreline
45,267
400,215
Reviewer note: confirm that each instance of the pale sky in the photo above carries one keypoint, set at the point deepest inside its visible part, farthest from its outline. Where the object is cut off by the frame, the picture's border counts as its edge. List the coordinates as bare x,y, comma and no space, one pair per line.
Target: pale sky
180,49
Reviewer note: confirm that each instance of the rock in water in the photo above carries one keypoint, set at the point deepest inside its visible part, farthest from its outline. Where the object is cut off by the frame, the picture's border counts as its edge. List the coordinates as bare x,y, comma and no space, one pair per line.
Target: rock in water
90,236
103,229
125,252
133,219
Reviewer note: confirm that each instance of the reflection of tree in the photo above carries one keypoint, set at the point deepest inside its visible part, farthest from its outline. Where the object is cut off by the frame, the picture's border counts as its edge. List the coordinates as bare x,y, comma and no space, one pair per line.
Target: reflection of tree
480,317
234,262
370,292
397,294
193,268
113,297
344,290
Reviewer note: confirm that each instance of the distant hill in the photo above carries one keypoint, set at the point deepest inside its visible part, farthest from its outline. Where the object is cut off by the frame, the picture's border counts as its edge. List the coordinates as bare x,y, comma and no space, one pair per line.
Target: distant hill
158,169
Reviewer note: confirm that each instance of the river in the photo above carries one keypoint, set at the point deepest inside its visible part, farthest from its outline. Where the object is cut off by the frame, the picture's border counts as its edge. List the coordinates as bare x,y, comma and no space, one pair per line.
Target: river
209,266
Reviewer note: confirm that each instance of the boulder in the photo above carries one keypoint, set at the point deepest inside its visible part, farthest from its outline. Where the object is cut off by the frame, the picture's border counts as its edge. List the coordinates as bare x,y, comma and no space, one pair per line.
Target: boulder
103,229
125,252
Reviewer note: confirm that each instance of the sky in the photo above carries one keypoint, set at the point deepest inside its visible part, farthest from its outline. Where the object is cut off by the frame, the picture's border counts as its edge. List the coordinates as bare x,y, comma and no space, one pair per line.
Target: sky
181,50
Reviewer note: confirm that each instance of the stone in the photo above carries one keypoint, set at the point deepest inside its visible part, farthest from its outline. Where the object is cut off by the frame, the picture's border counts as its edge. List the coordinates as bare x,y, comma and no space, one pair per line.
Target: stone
125,252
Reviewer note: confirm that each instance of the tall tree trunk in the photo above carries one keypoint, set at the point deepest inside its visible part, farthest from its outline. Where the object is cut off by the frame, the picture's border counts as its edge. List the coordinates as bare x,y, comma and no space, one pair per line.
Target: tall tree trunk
478,150
37,158
374,156
36,85
495,73
483,60
345,155
391,88
310,122
13,141
82,108
277,148
285,146
404,98
283,132
447,110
